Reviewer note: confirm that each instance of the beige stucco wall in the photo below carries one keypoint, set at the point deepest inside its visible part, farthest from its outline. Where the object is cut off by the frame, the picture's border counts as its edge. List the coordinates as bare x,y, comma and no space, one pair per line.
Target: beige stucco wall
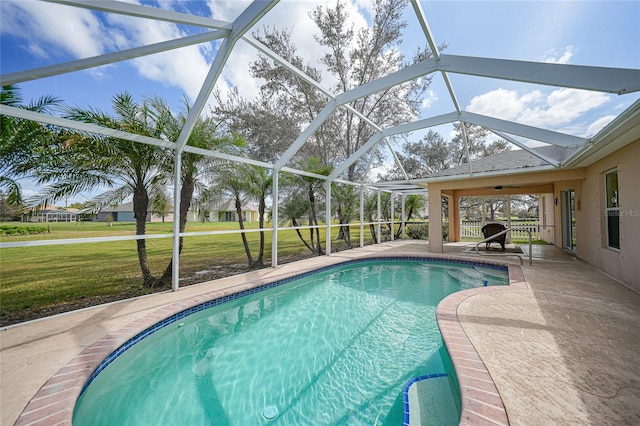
623,264
547,218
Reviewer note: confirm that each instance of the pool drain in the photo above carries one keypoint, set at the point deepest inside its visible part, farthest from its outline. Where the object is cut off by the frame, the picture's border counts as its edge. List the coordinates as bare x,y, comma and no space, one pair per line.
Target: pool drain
270,412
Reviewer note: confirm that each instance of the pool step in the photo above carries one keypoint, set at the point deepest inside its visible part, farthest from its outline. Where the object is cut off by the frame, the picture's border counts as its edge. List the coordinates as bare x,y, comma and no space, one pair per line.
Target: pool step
466,276
476,276
490,272
431,402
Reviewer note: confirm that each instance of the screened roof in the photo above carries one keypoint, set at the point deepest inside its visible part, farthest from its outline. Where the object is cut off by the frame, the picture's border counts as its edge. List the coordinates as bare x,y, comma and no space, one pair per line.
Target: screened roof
534,74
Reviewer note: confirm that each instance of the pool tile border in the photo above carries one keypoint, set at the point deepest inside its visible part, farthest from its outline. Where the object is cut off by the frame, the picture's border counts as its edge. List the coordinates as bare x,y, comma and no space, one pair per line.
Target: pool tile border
54,403
405,392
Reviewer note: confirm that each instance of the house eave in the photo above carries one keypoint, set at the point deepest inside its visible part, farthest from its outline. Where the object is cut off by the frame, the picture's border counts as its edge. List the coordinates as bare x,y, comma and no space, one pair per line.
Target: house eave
623,130
493,173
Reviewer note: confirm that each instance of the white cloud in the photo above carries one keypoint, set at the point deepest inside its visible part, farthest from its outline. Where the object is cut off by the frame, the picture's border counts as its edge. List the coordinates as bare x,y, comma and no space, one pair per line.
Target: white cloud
560,108
429,98
555,56
598,125
74,31
227,10
185,68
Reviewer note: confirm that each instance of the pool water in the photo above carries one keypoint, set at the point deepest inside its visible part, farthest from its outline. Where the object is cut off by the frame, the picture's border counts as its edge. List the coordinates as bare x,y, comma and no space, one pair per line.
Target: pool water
333,348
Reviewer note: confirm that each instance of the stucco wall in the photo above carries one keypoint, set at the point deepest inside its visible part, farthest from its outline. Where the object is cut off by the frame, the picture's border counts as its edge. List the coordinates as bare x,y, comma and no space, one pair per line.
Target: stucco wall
547,218
623,264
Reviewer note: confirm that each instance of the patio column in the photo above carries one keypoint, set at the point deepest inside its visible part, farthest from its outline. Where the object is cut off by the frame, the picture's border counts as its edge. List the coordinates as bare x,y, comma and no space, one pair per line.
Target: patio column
484,211
274,225
402,213
393,214
454,217
328,219
362,216
378,226
508,213
175,259
435,220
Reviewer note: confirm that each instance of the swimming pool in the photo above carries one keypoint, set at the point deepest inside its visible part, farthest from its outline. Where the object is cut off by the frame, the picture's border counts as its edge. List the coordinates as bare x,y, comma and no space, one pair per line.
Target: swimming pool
333,347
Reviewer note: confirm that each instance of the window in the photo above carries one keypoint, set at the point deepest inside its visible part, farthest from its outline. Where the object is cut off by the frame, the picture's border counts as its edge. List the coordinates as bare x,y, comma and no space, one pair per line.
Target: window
612,210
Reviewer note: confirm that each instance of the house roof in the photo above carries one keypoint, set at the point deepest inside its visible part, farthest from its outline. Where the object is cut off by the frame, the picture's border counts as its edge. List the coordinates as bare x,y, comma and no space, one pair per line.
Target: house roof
124,207
511,160
230,205
226,206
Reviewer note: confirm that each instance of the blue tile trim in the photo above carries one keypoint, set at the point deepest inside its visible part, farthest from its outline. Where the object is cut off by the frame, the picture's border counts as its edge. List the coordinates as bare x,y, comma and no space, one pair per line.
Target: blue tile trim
405,392
214,302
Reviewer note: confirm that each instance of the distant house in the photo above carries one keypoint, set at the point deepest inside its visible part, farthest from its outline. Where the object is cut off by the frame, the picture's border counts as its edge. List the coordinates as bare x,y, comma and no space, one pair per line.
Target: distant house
124,213
50,214
224,212
121,213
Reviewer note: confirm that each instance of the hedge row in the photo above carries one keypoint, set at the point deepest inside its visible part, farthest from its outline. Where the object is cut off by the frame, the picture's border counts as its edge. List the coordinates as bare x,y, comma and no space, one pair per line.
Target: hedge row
19,230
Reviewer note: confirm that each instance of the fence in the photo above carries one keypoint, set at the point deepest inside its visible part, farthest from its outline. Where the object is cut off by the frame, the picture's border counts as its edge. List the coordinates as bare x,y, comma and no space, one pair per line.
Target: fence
519,228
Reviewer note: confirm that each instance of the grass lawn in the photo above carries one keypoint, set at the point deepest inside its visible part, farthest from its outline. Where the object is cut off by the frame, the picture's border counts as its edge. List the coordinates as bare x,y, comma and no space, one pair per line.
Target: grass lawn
44,280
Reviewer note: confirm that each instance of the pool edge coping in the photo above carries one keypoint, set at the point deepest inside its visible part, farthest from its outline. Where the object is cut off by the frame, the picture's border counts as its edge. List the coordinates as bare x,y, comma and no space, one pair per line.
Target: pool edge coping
55,401
481,400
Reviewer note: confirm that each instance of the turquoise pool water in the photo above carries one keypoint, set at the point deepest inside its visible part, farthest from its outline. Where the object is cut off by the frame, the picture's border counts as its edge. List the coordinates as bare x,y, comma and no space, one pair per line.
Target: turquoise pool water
333,348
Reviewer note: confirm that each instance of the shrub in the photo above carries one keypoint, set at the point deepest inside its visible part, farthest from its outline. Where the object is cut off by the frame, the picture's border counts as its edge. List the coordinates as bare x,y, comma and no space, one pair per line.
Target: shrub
418,232
19,230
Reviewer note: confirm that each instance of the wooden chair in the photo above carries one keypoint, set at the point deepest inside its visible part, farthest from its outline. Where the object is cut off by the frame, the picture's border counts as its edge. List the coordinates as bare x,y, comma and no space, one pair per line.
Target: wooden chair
491,229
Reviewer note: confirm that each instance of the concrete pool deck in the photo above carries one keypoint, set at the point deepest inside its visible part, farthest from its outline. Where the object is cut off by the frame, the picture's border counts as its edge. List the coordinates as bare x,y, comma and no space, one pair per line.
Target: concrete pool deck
561,348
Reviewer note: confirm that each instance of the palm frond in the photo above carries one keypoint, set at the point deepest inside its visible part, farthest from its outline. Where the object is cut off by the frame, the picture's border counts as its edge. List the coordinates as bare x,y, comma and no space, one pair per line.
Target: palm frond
112,197
12,190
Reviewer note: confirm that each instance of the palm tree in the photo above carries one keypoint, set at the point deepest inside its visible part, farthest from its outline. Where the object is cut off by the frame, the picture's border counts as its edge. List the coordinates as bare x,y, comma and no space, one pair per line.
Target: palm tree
345,205
231,183
241,183
193,167
371,209
161,205
260,181
291,211
306,187
412,203
87,161
24,144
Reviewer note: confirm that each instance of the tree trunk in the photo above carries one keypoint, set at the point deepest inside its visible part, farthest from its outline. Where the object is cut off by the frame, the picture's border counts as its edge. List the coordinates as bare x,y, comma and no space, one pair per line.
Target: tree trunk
295,225
344,232
140,207
372,228
247,249
259,263
186,194
314,222
402,225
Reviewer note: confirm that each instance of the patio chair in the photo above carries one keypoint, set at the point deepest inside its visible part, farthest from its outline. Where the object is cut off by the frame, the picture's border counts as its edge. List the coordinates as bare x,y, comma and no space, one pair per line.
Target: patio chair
491,229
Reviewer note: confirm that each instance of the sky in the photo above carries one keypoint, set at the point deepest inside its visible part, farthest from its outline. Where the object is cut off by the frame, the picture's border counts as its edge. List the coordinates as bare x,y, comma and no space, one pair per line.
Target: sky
596,33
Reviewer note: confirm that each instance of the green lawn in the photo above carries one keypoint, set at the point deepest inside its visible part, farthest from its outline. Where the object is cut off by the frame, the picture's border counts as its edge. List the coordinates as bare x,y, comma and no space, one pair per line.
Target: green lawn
43,280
